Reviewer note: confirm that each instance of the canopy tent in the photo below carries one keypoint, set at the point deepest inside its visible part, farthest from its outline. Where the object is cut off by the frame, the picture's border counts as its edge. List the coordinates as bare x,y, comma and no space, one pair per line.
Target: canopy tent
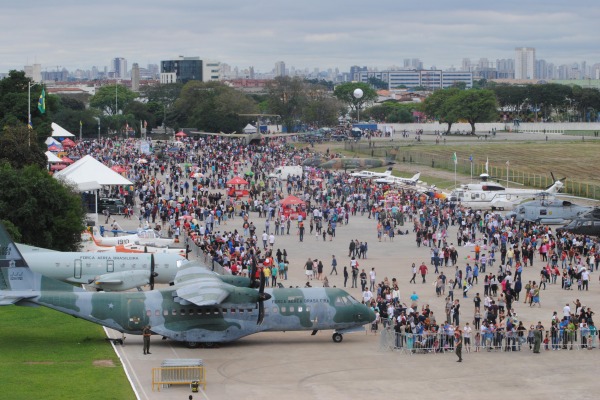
59,131
237,181
180,134
67,160
291,201
68,143
54,148
118,169
250,129
50,141
87,170
52,158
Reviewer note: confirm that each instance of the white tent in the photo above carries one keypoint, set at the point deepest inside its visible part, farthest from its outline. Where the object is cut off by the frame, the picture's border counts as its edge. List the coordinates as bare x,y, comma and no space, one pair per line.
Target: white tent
52,157
50,141
87,171
250,129
59,131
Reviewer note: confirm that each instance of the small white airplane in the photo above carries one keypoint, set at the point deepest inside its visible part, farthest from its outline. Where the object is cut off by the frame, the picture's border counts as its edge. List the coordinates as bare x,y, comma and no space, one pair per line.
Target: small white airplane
390,180
106,271
144,237
371,175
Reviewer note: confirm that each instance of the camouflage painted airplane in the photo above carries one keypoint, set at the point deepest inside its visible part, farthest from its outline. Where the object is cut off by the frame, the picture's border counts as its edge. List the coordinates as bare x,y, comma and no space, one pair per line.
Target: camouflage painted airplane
354,163
201,307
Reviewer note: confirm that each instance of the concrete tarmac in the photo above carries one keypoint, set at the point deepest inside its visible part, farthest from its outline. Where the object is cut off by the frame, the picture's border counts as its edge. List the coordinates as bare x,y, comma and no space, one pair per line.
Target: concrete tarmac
296,365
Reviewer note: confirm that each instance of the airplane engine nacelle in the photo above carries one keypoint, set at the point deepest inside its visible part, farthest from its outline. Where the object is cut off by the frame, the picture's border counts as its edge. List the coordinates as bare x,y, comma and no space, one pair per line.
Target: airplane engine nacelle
124,280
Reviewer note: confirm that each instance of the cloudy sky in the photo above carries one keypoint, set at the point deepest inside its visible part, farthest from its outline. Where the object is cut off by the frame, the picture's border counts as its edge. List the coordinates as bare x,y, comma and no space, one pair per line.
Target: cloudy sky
305,34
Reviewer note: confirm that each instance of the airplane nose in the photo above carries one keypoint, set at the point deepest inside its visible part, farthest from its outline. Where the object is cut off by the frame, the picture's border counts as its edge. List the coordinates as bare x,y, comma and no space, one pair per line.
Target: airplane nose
365,313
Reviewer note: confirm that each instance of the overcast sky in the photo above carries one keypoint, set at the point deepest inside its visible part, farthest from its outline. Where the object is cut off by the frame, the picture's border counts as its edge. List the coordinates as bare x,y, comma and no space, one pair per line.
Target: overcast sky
324,34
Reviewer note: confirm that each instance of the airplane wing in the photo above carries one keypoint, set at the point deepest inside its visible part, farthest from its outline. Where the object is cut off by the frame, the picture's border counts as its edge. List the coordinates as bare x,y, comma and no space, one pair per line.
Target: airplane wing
25,248
200,286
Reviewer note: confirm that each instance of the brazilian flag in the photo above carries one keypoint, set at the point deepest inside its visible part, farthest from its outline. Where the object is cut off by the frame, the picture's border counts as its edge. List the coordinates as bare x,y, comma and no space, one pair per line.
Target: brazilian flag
42,102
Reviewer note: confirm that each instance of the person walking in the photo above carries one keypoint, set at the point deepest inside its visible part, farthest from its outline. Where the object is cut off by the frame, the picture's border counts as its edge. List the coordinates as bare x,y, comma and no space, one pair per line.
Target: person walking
414,272
147,333
345,276
333,265
423,270
458,344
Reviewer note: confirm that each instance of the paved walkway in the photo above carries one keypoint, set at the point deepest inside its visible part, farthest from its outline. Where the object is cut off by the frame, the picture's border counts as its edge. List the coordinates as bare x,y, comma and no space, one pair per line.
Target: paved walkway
295,365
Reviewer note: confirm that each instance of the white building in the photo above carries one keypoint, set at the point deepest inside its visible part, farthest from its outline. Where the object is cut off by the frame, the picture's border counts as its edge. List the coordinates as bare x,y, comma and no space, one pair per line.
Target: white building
280,68
525,63
34,72
211,71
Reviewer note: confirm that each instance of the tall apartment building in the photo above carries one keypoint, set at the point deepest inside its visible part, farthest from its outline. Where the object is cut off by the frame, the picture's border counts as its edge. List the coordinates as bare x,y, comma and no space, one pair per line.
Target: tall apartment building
280,68
505,68
525,63
34,72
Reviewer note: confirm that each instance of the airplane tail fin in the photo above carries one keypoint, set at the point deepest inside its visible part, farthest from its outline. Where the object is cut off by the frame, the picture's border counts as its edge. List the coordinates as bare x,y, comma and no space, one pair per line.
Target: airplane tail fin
388,172
416,177
16,279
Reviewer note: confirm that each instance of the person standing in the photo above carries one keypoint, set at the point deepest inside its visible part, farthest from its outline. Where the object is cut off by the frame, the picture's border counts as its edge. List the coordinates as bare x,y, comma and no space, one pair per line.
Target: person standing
423,270
458,344
345,276
147,333
372,279
333,265
537,338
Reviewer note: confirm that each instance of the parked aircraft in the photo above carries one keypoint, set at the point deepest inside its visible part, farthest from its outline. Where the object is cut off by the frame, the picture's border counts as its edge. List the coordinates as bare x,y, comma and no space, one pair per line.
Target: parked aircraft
487,194
108,271
148,237
399,180
371,174
548,211
585,224
201,307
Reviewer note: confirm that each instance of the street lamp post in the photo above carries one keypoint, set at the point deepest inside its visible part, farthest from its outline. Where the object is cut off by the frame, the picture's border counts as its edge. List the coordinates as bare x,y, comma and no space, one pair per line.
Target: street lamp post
358,94
98,119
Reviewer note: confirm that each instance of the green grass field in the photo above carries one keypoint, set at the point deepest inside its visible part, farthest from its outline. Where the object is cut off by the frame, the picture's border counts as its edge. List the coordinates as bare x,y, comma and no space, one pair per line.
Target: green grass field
49,355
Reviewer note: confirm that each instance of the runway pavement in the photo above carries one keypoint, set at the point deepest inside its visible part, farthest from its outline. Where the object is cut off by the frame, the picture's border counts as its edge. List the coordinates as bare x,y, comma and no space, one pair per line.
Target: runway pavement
296,365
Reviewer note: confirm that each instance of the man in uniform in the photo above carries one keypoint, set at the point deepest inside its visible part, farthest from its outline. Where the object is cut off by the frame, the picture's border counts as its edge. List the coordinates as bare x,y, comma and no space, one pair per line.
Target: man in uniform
146,333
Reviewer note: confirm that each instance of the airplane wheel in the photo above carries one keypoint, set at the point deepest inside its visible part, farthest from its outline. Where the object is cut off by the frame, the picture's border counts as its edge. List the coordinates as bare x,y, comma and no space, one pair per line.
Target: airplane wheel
337,337
192,345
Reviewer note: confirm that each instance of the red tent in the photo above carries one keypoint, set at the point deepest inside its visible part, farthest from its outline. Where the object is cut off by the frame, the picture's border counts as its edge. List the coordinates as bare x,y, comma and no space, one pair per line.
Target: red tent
67,160
68,143
291,201
53,148
237,181
118,169
180,134
57,167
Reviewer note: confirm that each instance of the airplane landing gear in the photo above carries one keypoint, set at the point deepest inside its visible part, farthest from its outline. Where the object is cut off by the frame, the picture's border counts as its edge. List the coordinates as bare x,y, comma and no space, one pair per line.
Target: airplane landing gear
192,345
337,337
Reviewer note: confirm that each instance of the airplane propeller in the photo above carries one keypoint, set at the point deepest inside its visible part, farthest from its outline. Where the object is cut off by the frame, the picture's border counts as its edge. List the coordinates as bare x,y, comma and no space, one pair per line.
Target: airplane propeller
153,274
262,296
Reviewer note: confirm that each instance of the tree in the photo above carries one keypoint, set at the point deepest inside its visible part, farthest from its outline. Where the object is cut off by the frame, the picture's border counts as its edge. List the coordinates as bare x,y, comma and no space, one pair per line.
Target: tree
18,147
439,106
321,109
45,212
391,111
345,93
210,107
475,106
378,83
287,97
111,99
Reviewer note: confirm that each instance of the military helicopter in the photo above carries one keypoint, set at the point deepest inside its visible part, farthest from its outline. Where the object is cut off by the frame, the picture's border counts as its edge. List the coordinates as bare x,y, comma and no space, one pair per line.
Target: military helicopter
585,224
549,211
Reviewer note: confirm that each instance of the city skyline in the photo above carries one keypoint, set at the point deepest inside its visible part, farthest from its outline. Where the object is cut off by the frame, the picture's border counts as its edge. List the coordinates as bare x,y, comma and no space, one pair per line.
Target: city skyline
304,34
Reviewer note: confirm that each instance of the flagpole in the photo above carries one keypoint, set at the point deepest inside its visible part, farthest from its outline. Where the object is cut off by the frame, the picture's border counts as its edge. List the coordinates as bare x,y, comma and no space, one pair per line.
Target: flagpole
507,164
80,130
29,126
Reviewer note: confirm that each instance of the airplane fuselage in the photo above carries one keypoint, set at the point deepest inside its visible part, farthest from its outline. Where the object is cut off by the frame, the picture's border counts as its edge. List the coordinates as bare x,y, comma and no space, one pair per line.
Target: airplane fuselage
287,310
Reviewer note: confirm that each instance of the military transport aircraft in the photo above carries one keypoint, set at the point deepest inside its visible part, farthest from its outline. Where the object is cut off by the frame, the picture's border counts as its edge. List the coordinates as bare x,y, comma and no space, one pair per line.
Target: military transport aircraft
201,307
106,271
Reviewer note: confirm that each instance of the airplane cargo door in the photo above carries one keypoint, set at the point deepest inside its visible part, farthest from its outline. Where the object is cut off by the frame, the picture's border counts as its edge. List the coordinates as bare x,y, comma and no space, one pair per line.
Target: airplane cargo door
77,269
136,314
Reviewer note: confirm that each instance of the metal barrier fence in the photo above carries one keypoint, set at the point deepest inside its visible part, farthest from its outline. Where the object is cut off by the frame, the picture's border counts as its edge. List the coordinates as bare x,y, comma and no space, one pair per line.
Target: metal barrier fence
463,167
410,343
167,376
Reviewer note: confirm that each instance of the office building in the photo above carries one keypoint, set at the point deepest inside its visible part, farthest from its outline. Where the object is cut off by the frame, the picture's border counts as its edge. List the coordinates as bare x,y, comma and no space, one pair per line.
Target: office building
525,63
183,69
119,68
428,79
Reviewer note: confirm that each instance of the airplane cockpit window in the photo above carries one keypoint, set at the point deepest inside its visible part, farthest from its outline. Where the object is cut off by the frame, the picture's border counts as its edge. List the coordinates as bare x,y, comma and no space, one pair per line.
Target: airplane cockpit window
521,210
351,300
339,302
